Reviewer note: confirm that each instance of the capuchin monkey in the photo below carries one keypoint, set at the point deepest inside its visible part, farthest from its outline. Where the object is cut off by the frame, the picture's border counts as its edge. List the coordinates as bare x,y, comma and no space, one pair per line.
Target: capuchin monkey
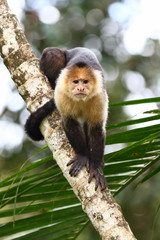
81,99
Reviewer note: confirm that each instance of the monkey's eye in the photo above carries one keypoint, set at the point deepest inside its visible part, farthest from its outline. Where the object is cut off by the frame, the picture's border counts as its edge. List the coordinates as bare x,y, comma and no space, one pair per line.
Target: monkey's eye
85,81
75,81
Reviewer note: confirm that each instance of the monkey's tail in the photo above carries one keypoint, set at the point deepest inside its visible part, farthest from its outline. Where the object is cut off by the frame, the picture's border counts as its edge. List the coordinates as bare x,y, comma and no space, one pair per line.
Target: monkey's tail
33,122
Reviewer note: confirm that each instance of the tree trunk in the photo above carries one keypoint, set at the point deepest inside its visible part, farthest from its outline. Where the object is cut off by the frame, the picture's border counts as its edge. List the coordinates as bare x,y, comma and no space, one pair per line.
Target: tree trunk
101,208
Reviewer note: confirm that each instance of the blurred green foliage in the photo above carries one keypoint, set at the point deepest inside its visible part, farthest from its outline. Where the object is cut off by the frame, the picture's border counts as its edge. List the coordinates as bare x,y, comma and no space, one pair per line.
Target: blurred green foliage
87,23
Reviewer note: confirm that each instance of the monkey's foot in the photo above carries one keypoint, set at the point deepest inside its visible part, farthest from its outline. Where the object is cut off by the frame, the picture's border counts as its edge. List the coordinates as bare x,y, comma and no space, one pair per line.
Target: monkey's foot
77,163
99,177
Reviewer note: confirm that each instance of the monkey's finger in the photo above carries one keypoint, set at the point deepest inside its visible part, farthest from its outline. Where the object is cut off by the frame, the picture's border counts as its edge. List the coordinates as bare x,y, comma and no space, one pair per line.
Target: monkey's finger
99,181
90,177
103,183
71,161
74,172
78,166
74,169
87,166
96,184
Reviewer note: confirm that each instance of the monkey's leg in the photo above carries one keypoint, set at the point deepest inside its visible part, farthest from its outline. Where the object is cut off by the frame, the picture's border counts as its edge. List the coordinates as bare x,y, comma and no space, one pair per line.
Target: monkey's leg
77,140
96,148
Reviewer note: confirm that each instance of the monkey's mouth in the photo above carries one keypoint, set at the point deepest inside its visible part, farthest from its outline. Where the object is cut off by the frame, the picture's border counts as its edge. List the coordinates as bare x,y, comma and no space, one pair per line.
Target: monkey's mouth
80,95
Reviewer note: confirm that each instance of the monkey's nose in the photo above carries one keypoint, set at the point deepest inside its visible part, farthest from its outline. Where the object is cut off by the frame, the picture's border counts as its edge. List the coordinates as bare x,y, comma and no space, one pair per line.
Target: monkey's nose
80,87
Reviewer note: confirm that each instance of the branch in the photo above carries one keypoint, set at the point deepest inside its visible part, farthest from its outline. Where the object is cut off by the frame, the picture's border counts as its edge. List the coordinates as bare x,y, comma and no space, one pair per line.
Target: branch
103,211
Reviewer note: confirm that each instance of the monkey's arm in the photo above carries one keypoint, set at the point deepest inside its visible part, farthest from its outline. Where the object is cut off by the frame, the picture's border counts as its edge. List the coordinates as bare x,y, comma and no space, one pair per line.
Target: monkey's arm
33,122
96,148
77,140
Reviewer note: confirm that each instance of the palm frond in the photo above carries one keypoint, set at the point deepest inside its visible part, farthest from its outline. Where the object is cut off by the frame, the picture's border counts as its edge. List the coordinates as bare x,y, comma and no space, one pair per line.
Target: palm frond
40,204
37,202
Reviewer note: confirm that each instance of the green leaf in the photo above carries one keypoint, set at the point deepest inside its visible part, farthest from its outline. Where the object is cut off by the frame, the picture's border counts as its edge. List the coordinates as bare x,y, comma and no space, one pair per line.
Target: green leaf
135,102
37,202
151,174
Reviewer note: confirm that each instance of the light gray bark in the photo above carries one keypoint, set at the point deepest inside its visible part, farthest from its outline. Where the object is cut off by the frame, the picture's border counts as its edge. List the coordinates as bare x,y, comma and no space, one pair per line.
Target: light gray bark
104,213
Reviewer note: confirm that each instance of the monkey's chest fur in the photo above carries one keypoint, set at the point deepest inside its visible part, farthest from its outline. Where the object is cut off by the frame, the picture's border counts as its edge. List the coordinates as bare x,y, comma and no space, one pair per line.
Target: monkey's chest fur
91,110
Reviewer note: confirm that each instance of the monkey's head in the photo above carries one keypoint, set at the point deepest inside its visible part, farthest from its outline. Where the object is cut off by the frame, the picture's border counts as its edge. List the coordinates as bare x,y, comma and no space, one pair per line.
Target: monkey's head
80,82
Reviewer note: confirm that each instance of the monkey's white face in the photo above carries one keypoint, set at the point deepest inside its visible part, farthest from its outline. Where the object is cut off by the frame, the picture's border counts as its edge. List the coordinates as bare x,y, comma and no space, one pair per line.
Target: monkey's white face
79,83
80,88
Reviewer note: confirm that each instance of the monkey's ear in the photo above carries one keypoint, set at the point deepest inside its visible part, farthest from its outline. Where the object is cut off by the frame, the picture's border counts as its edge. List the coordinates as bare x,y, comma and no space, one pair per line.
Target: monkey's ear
52,61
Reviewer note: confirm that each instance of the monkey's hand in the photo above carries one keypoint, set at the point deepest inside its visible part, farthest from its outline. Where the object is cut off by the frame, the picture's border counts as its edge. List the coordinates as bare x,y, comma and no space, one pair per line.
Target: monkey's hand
77,163
99,177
